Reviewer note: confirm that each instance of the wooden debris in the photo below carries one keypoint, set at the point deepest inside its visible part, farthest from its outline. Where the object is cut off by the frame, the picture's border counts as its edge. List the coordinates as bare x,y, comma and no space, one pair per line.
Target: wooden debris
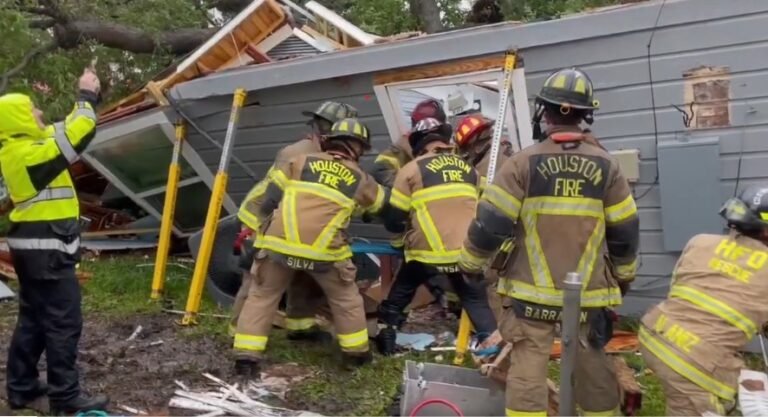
135,333
181,313
132,410
229,400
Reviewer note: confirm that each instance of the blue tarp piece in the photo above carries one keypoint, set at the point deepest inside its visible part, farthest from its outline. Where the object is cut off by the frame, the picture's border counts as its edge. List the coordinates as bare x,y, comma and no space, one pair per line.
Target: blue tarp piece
415,341
375,248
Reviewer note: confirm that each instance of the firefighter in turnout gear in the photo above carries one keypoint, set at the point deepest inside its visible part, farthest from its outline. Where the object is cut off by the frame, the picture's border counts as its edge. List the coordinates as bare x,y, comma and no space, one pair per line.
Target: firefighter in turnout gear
473,138
716,305
313,197
388,162
566,202
304,296
44,242
432,201
385,168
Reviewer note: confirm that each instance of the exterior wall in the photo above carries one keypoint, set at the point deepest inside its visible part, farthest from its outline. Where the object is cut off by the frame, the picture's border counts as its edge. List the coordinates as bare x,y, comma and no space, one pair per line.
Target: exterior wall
618,66
272,119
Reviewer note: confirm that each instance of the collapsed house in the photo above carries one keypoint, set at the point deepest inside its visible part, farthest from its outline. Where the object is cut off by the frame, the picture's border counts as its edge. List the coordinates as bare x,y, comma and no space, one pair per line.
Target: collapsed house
681,85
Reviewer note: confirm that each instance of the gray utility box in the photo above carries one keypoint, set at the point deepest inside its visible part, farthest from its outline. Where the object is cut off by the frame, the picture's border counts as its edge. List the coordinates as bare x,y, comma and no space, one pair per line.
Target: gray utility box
471,392
689,179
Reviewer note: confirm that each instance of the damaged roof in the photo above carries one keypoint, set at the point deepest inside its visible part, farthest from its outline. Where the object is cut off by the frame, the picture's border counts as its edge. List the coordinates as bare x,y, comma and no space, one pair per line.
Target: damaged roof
265,31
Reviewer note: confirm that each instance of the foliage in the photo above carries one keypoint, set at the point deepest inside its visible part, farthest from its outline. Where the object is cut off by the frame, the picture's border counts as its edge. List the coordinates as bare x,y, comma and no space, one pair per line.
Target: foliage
527,10
50,78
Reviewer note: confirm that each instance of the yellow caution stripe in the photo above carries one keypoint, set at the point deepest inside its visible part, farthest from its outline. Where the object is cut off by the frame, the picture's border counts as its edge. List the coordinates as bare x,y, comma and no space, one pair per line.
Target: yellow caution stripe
665,354
299,323
622,211
715,307
250,343
517,413
353,340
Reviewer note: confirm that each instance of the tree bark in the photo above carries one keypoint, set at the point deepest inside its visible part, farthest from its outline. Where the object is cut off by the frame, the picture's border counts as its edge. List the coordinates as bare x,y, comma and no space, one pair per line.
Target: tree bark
428,14
114,35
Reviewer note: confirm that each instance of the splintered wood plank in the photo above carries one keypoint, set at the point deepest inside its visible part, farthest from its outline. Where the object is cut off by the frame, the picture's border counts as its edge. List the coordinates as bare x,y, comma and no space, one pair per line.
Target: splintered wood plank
443,69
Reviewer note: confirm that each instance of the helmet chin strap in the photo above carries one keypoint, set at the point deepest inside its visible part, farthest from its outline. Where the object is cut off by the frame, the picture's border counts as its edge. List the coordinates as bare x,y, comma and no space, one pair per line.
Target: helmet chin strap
538,114
340,148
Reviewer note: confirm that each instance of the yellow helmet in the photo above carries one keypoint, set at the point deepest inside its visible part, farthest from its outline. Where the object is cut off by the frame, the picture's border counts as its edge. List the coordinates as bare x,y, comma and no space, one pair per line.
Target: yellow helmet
351,128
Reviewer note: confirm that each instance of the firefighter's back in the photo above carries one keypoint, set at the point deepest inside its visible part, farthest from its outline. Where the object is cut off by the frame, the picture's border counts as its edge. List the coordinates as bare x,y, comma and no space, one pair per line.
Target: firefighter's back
319,199
444,191
716,302
562,220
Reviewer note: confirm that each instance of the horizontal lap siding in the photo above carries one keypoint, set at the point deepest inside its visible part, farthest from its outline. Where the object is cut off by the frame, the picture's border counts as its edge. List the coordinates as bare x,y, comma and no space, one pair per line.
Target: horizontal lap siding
272,119
618,66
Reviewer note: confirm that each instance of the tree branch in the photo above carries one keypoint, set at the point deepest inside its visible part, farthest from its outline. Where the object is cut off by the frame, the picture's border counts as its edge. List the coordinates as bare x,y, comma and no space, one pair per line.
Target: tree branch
115,35
43,24
24,62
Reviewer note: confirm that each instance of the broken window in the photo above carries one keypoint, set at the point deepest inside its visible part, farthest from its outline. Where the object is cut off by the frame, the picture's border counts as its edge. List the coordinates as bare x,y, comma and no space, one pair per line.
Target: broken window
140,160
191,206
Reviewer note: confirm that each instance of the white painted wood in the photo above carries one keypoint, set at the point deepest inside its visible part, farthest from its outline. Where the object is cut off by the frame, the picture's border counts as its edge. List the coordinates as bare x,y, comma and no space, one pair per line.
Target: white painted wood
221,34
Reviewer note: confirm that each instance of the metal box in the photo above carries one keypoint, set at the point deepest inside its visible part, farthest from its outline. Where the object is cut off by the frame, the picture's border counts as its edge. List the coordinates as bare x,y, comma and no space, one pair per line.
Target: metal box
629,163
689,181
471,392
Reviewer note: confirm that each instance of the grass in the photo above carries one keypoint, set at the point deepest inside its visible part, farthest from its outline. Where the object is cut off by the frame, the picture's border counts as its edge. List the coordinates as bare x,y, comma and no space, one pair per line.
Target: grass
122,285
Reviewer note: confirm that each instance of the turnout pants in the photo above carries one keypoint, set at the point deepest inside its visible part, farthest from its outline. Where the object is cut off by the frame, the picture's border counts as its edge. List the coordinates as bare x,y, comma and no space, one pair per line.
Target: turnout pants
50,321
473,296
684,398
304,300
596,388
273,278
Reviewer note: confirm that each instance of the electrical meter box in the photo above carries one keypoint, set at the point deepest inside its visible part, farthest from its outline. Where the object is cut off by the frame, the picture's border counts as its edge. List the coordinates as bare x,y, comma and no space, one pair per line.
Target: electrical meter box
689,181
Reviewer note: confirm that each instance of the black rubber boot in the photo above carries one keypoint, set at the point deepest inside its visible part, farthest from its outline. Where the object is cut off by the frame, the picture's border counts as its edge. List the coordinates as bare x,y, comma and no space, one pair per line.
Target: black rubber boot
310,335
386,341
352,360
19,401
247,369
81,403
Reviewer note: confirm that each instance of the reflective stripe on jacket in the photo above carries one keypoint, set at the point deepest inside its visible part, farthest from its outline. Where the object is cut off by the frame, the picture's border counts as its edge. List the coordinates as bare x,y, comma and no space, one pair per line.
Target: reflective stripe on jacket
250,207
317,195
433,200
35,168
716,305
389,161
563,201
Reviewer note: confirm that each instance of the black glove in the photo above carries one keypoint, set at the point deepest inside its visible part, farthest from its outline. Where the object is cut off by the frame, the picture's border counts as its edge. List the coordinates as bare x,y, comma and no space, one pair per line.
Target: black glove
473,277
624,287
600,328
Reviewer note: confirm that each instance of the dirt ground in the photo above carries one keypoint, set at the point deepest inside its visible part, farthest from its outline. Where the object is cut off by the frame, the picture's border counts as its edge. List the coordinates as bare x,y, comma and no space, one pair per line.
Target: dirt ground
137,373
140,373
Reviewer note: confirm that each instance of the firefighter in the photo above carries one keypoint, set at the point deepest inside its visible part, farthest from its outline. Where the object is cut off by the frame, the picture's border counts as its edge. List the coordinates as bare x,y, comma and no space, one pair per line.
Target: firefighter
44,242
433,201
716,305
473,139
325,188
385,168
304,296
388,162
571,210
